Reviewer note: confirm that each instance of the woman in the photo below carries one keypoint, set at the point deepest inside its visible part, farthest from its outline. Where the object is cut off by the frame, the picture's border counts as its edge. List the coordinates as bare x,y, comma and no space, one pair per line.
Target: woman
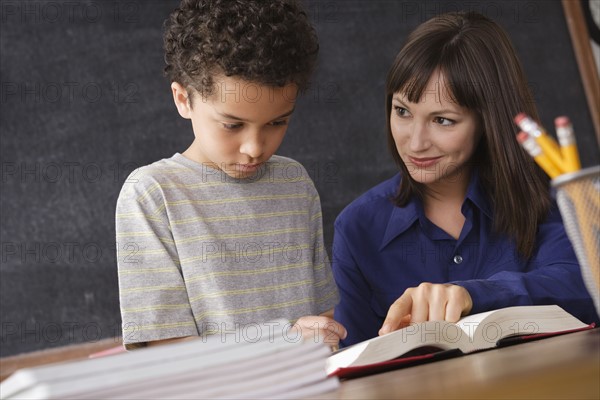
468,224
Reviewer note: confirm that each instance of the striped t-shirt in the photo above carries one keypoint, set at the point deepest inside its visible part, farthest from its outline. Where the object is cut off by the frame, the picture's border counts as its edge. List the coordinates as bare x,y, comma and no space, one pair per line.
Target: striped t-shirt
200,252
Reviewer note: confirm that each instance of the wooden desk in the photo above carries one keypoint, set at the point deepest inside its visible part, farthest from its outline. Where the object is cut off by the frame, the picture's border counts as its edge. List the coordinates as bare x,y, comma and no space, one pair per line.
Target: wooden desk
9,365
566,367
563,367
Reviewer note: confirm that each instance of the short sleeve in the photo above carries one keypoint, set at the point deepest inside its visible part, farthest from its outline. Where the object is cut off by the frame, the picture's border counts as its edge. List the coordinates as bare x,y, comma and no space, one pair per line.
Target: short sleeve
325,288
153,298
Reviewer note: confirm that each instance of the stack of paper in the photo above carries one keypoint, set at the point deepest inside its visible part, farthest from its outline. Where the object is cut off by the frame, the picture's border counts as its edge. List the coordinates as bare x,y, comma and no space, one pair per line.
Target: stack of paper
268,365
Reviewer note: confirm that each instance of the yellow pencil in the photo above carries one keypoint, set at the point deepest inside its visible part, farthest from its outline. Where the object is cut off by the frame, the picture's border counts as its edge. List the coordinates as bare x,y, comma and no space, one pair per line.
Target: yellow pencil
535,151
548,145
568,147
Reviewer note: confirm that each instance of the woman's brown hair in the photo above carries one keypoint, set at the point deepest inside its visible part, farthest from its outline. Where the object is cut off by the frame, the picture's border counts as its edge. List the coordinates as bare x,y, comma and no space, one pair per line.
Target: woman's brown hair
484,75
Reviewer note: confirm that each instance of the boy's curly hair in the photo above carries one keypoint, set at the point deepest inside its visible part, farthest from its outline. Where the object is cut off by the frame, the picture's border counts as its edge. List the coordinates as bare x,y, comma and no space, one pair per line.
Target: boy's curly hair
263,41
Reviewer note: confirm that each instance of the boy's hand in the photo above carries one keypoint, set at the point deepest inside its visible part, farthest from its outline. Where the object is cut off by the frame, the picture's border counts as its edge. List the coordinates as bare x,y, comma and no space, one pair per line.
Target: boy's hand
427,302
320,328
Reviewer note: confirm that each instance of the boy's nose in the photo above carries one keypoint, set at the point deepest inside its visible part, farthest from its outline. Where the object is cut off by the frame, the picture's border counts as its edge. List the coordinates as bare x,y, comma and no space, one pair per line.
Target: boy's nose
252,146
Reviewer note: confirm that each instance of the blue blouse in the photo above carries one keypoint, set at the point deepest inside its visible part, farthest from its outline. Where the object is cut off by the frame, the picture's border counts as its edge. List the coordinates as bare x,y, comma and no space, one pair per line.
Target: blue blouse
380,250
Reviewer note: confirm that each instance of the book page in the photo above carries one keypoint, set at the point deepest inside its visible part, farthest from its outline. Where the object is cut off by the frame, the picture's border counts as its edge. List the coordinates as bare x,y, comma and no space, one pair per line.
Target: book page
486,329
470,323
439,334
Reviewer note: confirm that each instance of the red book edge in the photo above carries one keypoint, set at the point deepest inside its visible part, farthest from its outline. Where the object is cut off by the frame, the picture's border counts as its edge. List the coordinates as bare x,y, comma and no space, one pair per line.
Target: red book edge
375,368
509,341
397,363
108,352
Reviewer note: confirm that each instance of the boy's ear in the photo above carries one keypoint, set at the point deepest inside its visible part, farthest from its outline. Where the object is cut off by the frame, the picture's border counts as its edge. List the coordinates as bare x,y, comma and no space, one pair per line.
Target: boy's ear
180,97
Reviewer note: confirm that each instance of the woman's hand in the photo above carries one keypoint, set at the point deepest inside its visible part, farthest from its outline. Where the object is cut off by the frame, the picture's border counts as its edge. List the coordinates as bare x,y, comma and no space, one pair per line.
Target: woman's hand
427,302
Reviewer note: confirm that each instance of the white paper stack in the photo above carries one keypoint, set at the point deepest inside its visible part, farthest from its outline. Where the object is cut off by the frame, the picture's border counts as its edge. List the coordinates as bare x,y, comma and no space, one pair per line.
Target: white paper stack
268,365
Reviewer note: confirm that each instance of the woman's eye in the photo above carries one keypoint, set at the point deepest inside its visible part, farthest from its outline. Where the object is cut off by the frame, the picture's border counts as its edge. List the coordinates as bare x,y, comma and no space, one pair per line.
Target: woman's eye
231,127
443,121
401,111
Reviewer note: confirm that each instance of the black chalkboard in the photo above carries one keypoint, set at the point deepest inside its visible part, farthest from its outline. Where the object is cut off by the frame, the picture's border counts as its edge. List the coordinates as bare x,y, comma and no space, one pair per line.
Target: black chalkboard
83,102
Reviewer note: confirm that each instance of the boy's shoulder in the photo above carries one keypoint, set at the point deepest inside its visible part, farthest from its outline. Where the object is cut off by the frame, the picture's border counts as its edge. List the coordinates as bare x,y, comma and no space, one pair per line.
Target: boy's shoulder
287,169
281,162
148,176
157,169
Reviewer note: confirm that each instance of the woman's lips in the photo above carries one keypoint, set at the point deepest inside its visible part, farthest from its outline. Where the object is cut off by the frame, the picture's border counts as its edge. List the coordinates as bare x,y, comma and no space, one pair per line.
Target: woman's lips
424,162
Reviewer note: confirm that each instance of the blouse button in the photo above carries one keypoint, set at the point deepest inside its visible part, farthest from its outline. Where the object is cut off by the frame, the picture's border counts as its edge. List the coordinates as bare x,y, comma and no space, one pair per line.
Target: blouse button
458,259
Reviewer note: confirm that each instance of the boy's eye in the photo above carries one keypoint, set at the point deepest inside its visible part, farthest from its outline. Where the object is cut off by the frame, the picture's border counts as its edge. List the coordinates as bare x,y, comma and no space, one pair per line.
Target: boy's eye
443,121
231,126
281,122
401,111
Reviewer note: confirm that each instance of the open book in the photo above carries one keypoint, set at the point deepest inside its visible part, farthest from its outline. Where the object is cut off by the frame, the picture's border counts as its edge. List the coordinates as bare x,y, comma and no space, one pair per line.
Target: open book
420,341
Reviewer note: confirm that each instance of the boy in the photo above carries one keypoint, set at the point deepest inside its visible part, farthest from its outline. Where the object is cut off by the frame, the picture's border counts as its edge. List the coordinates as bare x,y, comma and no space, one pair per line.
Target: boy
227,234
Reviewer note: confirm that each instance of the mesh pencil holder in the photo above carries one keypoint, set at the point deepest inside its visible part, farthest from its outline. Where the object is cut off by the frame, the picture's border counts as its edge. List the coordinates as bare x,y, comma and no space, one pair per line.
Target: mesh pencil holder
578,197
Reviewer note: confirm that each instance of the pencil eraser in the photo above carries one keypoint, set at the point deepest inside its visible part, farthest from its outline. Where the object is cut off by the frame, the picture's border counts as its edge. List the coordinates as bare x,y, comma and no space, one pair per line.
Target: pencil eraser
519,117
522,136
562,121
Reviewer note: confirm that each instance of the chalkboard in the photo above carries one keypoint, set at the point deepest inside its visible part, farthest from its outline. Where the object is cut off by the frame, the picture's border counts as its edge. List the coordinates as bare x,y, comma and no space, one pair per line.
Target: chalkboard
83,102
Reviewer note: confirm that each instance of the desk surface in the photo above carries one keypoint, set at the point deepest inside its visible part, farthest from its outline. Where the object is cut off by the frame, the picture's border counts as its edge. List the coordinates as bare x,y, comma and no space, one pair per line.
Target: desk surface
566,366
9,365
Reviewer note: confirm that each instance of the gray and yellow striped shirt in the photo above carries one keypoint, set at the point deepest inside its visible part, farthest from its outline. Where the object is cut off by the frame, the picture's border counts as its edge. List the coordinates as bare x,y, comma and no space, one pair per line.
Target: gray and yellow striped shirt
200,252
